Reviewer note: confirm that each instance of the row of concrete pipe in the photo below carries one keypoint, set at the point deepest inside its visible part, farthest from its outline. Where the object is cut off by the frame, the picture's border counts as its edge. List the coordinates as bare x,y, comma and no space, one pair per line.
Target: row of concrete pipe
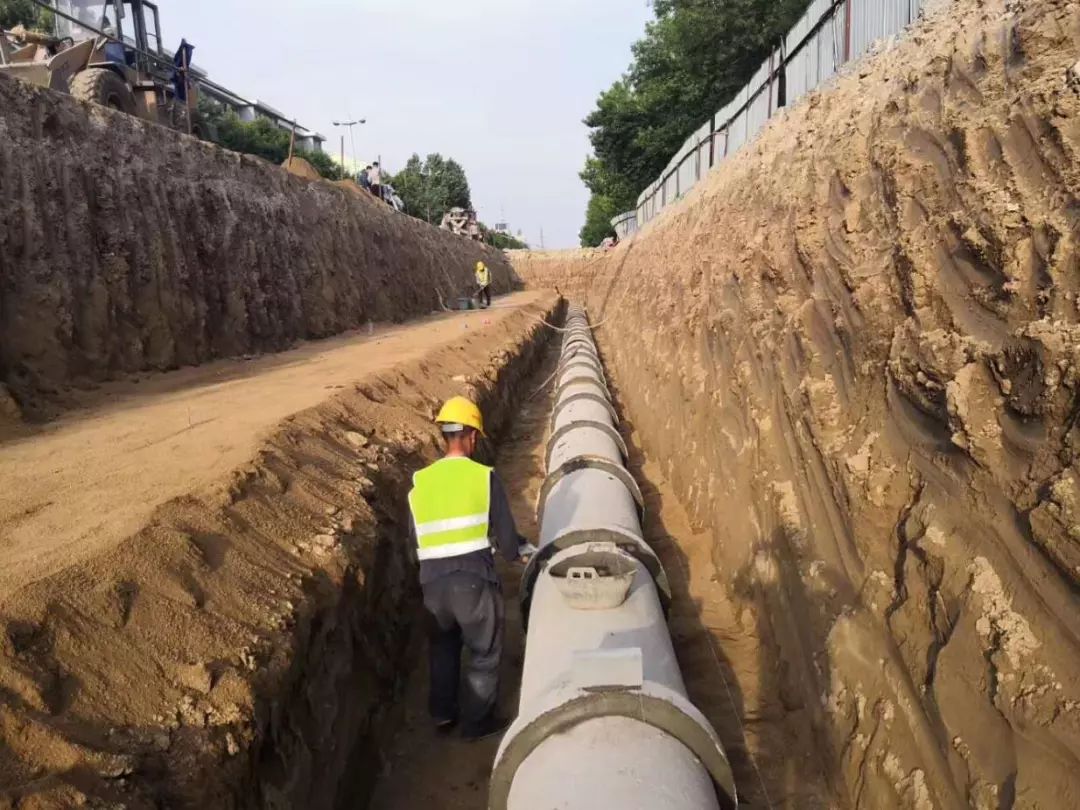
604,720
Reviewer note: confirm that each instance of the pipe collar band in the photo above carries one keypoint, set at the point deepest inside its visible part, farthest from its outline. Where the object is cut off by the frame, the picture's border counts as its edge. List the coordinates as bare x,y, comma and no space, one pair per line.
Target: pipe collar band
653,705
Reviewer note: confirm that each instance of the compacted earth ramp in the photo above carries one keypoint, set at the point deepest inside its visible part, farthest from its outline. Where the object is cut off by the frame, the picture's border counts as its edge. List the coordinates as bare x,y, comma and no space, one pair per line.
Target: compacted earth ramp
854,353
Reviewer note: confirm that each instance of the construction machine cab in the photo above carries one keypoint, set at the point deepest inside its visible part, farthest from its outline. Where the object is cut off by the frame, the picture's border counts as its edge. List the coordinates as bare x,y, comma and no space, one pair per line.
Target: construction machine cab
132,46
109,52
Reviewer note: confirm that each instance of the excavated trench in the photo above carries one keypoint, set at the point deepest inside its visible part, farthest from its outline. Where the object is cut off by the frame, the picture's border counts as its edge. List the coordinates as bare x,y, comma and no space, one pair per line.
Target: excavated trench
712,640
360,690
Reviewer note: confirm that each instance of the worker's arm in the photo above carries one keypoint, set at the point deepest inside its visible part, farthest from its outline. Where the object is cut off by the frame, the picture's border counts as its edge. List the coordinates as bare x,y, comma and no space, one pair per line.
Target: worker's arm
503,529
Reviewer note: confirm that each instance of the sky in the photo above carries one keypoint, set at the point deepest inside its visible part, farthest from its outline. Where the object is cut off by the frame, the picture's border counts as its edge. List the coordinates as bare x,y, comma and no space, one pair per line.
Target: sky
501,86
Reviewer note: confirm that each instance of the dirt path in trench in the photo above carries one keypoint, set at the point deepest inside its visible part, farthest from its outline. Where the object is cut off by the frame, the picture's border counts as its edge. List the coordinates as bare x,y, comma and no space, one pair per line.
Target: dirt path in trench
421,768
71,489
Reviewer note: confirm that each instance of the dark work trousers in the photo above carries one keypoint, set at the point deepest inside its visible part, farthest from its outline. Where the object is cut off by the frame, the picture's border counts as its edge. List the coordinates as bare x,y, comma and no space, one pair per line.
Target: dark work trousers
485,295
464,610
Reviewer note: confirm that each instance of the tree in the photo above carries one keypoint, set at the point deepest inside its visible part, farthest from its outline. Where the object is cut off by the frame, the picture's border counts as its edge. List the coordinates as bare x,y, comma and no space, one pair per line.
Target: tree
695,56
501,241
25,13
262,138
601,210
431,187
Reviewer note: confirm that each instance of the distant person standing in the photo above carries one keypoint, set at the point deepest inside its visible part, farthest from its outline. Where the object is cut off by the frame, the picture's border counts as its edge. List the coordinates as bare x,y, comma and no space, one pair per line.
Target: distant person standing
483,281
365,179
375,178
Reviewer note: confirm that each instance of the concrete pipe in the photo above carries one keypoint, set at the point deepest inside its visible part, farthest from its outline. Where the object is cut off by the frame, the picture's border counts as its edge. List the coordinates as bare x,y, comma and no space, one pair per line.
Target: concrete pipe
603,719
584,409
579,369
578,356
581,385
578,346
581,380
584,440
581,361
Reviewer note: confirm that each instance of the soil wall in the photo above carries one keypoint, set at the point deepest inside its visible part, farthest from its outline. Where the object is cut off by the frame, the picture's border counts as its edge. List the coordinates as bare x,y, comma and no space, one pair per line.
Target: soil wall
127,247
855,352
246,648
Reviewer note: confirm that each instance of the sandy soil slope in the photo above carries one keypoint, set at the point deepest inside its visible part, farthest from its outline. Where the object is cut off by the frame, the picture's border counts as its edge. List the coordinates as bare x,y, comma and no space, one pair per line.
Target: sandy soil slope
206,597
854,352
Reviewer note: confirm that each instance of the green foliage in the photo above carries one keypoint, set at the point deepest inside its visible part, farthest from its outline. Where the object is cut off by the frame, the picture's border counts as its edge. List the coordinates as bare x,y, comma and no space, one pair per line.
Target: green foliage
323,164
601,210
431,187
25,13
695,56
262,138
501,241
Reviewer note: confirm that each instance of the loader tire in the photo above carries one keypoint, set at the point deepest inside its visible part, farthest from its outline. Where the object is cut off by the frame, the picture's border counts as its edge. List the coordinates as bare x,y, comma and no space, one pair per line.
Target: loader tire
102,86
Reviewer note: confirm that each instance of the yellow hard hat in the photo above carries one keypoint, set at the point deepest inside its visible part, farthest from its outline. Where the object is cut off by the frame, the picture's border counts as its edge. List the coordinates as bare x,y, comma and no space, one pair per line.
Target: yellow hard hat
460,411
479,265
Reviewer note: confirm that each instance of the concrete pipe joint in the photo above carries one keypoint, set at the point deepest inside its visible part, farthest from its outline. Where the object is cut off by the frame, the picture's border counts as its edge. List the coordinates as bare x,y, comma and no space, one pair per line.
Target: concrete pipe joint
604,720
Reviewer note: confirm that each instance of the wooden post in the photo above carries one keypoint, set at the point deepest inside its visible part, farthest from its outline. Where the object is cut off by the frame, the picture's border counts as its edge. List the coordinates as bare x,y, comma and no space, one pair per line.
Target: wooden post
292,143
187,89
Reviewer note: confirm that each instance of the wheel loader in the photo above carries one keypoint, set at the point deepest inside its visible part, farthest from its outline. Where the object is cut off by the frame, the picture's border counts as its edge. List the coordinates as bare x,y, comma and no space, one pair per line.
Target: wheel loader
108,52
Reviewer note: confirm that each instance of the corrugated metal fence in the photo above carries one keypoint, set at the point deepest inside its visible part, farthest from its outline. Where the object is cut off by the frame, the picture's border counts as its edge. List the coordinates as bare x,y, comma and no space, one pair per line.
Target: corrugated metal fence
830,33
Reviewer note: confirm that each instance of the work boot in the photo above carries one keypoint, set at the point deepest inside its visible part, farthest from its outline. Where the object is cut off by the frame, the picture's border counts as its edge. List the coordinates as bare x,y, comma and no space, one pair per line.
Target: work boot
490,726
444,727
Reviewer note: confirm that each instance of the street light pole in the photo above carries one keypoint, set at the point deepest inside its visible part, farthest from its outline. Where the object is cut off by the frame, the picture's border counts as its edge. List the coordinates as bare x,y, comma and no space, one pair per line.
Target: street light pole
348,125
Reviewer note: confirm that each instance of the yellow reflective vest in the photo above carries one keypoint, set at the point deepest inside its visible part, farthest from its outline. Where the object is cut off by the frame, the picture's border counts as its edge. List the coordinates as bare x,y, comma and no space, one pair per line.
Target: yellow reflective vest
450,502
483,277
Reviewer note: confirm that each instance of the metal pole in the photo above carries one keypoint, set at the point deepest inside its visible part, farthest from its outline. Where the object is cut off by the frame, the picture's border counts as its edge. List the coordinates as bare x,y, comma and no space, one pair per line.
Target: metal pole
187,89
847,31
769,82
343,153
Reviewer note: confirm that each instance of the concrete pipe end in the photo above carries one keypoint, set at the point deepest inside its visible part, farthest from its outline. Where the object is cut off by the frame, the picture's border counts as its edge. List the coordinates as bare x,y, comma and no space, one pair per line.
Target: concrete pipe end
569,705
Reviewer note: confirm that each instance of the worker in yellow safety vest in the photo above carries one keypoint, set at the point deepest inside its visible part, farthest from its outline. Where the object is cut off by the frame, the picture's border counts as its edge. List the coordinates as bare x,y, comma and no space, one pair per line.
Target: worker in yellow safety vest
459,514
483,281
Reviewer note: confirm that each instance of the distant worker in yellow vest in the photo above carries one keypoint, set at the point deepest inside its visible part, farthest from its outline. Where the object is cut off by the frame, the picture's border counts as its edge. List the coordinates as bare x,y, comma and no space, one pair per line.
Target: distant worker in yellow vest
483,281
459,515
